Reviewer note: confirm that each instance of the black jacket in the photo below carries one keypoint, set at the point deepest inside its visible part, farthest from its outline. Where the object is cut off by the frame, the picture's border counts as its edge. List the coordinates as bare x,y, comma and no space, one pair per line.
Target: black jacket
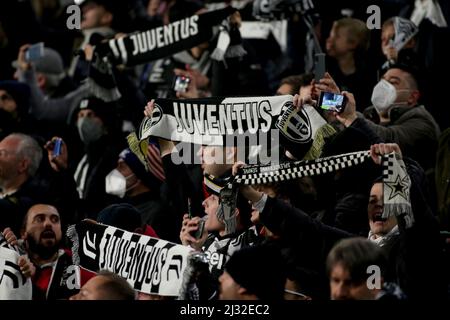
414,257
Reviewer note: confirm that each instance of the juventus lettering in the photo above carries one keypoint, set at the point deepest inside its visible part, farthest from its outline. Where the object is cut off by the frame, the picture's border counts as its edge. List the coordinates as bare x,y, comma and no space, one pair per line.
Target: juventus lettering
218,119
150,265
164,35
141,262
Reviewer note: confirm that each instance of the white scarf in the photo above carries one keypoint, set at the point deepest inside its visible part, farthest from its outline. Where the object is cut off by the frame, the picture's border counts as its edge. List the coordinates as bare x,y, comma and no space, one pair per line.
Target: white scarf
429,9
382,240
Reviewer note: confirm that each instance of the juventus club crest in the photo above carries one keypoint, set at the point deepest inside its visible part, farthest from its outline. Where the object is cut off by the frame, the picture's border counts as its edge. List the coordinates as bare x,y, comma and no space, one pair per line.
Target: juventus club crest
294,125
149,122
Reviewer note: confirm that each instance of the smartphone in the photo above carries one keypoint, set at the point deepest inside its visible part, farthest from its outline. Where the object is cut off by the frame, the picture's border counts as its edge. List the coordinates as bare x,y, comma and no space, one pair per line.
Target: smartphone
319,66
197,234
181,83
201,226
57,147
332,101
35,52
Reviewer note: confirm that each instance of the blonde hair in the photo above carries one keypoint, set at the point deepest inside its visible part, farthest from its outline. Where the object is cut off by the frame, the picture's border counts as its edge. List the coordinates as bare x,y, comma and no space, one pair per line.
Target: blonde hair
357,32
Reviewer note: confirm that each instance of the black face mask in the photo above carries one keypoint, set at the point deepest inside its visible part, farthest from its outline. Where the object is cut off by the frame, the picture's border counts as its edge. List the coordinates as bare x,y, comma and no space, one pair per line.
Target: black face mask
8,123
42,251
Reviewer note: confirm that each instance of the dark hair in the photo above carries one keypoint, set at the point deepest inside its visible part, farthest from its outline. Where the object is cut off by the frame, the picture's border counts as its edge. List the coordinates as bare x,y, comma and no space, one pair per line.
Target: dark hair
259,269
297,81
356,255
115,287
306,281
32,205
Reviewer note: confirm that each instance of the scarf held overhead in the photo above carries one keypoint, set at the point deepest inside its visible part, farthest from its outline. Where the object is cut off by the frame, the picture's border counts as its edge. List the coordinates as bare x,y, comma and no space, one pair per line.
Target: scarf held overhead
142,47
210,120
150,265
396,181
163,41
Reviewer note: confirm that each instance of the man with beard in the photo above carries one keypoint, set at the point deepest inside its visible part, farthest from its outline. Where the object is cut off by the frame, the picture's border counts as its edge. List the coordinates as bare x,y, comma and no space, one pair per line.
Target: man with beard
55,276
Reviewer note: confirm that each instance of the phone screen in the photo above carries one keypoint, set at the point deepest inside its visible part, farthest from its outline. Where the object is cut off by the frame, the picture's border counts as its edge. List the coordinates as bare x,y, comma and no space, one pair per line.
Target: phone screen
57,147
181,83
332,101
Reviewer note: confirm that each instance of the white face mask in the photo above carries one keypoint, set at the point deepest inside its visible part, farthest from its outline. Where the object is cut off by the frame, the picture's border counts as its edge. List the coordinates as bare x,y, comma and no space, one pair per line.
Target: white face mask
116,183
383,96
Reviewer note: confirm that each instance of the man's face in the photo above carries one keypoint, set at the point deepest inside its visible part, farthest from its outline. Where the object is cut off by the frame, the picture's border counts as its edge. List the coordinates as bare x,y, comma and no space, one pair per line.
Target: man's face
211,204
397,78
342,287
7,102
126,171
94,16
229,289
378,225
89,113
90,290
43,230
337,43
8,160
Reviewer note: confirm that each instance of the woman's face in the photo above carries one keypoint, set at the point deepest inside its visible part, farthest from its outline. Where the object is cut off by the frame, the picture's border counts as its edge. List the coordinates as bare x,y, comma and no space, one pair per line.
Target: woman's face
211,205
378,225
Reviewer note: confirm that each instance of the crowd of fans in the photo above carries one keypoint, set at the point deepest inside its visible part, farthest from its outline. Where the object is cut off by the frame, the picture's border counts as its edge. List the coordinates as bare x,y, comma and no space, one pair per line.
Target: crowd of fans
64,154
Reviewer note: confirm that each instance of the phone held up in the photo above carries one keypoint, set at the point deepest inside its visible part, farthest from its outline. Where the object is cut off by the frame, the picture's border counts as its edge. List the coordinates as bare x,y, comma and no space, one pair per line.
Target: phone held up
57,143
197,234
181,83
332,101
319,66
34,52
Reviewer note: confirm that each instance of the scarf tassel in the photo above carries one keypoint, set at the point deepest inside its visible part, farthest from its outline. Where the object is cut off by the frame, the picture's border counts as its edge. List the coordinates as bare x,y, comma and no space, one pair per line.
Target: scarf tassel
73,236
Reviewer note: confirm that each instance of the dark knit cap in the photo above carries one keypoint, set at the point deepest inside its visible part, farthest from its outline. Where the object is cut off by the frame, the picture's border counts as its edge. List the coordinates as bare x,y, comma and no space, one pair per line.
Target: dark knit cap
20,92
121,215
138,169
106,111
260,270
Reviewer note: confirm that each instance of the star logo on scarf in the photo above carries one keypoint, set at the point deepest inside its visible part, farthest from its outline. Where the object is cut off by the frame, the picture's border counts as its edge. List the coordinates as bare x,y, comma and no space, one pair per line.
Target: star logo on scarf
398,188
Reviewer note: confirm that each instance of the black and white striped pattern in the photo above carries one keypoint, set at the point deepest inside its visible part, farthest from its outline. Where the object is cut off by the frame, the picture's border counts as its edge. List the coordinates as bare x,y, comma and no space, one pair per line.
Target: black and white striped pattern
293,170
396,181
13,284
396,190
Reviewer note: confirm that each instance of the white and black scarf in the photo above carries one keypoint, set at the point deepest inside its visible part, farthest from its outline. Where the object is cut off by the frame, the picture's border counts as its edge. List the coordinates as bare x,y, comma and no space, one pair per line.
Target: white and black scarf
396,181
219,121
150,265
405,30
13,284
142,47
